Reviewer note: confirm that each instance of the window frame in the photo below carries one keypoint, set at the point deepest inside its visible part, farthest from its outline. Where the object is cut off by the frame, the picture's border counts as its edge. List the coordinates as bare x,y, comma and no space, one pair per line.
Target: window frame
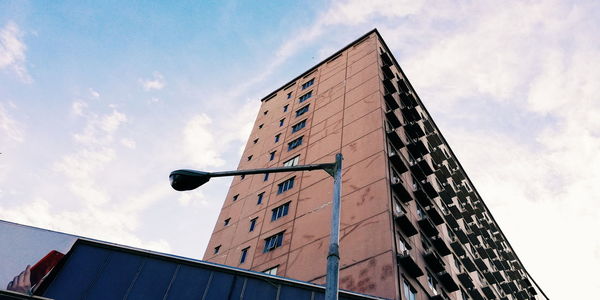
273,242
280,211
285,185
302,110
295,143
299,126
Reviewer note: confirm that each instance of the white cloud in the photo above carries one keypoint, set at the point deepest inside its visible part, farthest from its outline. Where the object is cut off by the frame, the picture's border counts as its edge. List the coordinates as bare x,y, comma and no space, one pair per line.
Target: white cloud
12,50
157,82
10,128
200,143
128,143
94,93
78,107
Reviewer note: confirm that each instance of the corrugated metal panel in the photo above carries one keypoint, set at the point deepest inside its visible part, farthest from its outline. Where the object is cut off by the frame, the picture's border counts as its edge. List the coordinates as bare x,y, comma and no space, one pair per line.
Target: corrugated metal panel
94,270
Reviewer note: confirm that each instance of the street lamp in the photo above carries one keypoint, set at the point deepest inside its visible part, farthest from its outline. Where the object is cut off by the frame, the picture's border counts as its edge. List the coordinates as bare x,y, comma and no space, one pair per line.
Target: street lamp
185,180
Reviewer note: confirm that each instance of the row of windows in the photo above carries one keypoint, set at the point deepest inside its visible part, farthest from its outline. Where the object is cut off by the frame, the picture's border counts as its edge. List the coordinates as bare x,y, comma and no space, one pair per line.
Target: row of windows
271,243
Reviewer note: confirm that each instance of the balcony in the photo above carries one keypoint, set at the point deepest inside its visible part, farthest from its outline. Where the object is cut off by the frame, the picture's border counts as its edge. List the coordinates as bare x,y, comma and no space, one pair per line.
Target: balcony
522,295
428,227
391,101
468,263
451,220
489,276
499,277
442,172
447,281
429,189
455,211
434,261
402,85
396,161
453,166
489,292
476,294
447,197
410,114
428,126
385,59
462,236
465,279
421,197
409,264
480,263
440,245
421,169
392,119
457,247
438,156
389,86
395,139
434,214
387,72
405,223
434,140
414,130
416,148
400,191
407,99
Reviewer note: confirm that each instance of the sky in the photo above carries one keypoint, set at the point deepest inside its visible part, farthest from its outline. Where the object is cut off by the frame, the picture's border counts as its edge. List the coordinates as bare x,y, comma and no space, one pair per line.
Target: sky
101,100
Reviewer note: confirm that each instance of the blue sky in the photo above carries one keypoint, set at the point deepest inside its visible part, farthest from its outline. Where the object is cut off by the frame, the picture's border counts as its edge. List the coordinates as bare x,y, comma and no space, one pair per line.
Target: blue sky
99,101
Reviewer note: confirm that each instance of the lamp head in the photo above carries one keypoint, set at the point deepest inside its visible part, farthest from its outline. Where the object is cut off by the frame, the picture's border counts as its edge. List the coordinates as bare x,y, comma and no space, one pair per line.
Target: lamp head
185,180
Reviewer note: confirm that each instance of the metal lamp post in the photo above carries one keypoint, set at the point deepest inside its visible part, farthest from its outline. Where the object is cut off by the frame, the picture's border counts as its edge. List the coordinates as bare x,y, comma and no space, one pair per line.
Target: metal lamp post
185,180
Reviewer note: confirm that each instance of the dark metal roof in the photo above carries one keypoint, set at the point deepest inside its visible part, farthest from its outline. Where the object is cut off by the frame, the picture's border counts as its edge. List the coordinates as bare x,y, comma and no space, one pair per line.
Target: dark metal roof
97,270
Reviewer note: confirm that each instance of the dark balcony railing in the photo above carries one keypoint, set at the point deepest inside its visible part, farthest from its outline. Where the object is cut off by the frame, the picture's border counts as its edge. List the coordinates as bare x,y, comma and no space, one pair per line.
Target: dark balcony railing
403,86
416,148
429,189
414,130
400,190
421,197
428,227
476,294
465,279
440,245
434,214
396,161
409,264
457,246
393,119
387,72
468,263
395,139
385,59
434,261
489,276
489,292
405,224
499,277
434,140
391,101
410,114
447,281
389,86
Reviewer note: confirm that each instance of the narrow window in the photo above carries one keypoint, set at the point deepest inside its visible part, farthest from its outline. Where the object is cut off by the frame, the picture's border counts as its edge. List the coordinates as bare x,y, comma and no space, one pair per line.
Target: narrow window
286,185
266,112
409,292
242,177
235,197
272,155
281,122
271,271
280,211
252,224
277,137
295,143
273,242
255,141
226,222
305,97
308,83
285,108
302,111
217,248
266,177
244,254
289,95
250,158
260,198
292,162
261,126
296,127
432,283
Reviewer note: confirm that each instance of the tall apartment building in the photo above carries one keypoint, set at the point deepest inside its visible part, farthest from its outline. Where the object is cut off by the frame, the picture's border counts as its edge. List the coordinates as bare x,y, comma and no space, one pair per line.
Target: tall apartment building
412,225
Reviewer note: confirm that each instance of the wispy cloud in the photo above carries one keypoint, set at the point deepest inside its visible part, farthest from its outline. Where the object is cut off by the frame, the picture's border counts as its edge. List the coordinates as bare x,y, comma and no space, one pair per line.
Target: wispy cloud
157,82
12,51
10,128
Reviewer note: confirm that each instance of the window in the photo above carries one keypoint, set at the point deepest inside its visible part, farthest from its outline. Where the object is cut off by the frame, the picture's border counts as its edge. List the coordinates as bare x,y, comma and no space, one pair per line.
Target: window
250,158
226,222
409,292
292,162
280,211
285,108
255,141
235,197
299,126
301,111
305,97
463,295
266,112
308,83
271,271
295,143
286,185
261,126
432,283
260,198
244,254
281,122
273,242
252,224
217,248
266,177
289,95
272,155
277,137
242,177
420,213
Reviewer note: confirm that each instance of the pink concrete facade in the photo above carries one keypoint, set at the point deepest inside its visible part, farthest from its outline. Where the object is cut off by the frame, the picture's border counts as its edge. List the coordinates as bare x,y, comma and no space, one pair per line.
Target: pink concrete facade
397,175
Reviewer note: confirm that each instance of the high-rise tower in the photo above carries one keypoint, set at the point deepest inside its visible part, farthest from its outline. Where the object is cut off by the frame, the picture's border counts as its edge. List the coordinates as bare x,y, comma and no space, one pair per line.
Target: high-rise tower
412,226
